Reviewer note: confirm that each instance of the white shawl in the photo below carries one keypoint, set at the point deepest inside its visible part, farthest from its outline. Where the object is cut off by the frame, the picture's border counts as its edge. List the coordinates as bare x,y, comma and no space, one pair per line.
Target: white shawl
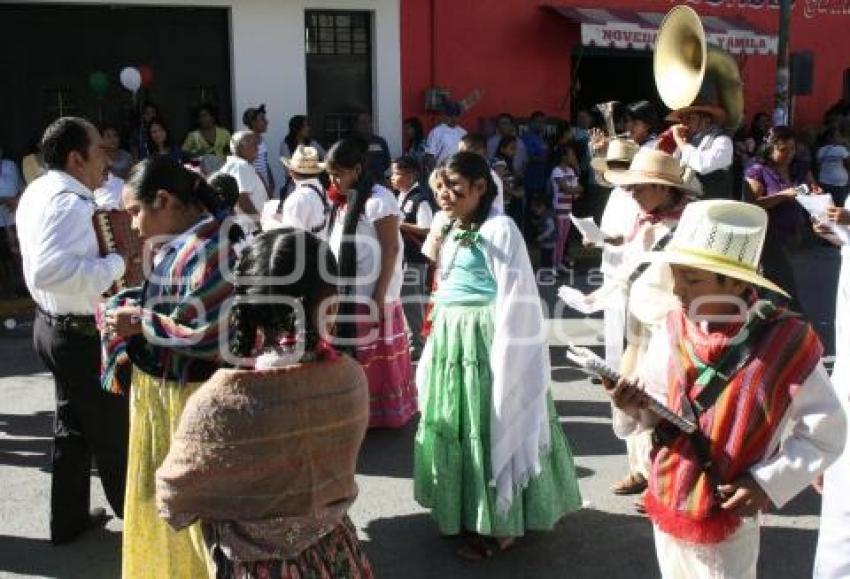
519,362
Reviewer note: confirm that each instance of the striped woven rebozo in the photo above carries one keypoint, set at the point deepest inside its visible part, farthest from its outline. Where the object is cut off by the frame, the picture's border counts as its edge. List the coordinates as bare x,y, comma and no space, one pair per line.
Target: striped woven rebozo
739,426
184,325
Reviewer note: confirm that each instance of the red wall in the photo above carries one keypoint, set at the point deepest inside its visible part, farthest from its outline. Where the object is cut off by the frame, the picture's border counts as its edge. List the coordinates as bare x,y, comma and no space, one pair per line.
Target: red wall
520,53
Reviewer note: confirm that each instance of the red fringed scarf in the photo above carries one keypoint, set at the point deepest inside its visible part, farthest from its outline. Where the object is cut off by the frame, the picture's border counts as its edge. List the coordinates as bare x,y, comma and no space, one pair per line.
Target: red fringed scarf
739,426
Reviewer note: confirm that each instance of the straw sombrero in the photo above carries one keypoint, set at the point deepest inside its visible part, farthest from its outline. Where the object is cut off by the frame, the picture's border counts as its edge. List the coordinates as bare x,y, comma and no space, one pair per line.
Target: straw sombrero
724,237
619,150
304,160
717,113
652,166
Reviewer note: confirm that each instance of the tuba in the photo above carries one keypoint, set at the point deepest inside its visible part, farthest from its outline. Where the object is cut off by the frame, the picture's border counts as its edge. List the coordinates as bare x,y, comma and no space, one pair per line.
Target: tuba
607,112
689,71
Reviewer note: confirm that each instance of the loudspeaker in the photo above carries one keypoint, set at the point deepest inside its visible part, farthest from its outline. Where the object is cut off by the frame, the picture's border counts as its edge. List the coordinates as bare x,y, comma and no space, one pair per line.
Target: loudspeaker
802,67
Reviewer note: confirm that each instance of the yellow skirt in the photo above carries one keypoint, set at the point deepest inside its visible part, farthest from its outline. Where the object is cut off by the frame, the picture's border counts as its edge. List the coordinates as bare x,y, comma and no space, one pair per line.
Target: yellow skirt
152,549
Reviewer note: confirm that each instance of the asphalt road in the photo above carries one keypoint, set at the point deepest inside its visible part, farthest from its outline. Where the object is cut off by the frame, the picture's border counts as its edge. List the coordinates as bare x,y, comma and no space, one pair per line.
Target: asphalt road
605,539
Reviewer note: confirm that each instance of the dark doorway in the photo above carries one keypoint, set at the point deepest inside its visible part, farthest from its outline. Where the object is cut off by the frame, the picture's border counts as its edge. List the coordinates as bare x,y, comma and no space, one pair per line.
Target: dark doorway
48,52
339,70
603,75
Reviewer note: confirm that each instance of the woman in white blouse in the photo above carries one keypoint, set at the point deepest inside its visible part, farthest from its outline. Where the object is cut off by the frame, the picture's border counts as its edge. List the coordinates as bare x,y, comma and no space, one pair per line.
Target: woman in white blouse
365,237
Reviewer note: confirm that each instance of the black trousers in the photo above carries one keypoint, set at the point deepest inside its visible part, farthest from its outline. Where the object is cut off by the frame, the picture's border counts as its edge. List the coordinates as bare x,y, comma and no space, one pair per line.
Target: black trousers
89,423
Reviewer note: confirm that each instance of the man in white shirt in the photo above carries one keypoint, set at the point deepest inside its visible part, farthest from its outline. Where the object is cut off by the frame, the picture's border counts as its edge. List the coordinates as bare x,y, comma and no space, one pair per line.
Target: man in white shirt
704,151
66,276
306,206
240,165
444,139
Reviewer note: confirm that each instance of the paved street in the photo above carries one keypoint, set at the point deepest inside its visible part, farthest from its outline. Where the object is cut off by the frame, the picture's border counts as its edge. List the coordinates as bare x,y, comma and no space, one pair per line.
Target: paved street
605,539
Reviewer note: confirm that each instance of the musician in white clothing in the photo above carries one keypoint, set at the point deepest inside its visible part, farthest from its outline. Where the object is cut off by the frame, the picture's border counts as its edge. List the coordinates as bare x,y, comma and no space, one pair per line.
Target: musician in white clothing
240,165
703,148
306,207
66,276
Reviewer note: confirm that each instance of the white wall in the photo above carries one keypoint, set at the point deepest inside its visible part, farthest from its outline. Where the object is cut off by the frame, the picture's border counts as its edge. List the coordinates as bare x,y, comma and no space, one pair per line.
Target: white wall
269,64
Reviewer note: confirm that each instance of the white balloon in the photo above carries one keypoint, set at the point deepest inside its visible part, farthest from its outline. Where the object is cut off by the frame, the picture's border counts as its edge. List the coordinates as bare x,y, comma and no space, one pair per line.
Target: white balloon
131,79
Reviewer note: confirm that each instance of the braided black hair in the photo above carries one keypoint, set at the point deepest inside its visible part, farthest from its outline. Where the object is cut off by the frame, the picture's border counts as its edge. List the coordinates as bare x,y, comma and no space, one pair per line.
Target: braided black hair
349,154
273,257
161,172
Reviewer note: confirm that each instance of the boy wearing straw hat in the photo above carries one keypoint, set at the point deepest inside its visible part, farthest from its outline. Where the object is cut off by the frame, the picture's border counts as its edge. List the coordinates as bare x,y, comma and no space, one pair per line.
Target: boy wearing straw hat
750,376
306,207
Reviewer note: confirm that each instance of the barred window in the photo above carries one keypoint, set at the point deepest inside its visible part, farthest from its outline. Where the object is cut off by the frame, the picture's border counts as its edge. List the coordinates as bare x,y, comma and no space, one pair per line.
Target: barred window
337,33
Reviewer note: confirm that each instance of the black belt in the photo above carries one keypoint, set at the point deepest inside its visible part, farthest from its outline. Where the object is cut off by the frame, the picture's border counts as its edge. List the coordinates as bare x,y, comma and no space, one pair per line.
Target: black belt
74,323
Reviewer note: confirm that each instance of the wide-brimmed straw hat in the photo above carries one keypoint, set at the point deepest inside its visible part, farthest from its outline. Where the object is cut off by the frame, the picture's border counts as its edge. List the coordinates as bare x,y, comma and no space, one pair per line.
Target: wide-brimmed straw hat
619,150
304,160
718,114
651,166
720,236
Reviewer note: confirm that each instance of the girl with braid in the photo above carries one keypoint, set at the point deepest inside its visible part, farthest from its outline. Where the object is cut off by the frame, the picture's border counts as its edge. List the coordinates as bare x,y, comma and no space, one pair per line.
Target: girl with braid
265,453
167,332
491,460
366,239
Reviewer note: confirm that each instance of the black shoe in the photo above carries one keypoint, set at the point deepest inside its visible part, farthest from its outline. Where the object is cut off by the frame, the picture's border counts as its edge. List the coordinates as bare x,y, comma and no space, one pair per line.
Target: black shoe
97,519
596,380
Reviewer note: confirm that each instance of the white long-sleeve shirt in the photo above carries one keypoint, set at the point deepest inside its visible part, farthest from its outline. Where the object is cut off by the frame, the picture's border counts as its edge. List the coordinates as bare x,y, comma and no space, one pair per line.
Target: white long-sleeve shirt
302,209
63,269
713,153
810,437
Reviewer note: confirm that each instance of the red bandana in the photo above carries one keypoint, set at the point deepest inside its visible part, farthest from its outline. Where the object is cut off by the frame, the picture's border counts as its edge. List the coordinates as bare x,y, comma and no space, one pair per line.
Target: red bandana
335,196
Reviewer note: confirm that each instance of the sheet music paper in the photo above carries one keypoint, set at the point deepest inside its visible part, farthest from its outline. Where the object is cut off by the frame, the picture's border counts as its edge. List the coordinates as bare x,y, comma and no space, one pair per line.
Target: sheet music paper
589,230
816,206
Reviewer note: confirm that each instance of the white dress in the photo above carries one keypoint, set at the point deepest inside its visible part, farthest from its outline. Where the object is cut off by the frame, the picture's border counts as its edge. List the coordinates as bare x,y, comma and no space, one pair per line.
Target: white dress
833,555
382,203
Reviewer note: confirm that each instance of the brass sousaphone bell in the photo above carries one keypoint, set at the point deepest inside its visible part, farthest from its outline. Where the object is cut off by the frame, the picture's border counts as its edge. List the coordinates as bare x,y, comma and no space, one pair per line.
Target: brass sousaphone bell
690,72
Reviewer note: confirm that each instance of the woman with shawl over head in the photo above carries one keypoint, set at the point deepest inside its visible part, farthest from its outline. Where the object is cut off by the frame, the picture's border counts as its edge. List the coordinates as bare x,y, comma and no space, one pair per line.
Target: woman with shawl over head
265,453
491,460
366,240
167,332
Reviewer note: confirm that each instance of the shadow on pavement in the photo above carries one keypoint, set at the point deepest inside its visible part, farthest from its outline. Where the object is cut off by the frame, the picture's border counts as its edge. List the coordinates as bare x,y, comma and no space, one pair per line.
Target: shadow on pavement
30,442
787,553
806,503
388,452
583,408
17,346
587,544
95,555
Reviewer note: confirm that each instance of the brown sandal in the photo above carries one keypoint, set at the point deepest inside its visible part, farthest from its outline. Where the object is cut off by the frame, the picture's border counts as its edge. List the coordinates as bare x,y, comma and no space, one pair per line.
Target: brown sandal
478,548
632,484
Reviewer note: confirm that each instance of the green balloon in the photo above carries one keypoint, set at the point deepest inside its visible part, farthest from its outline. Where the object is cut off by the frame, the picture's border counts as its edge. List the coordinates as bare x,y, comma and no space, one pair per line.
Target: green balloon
98,83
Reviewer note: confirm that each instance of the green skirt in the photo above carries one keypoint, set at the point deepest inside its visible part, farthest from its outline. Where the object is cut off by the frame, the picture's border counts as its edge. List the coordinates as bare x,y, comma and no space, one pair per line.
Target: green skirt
452,453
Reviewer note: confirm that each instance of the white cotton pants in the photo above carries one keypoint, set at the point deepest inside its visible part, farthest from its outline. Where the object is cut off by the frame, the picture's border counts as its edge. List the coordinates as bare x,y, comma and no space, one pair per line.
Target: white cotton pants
734,558
638,449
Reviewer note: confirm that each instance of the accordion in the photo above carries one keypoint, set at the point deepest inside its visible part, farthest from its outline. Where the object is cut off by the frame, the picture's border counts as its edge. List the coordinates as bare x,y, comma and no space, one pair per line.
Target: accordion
115,235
